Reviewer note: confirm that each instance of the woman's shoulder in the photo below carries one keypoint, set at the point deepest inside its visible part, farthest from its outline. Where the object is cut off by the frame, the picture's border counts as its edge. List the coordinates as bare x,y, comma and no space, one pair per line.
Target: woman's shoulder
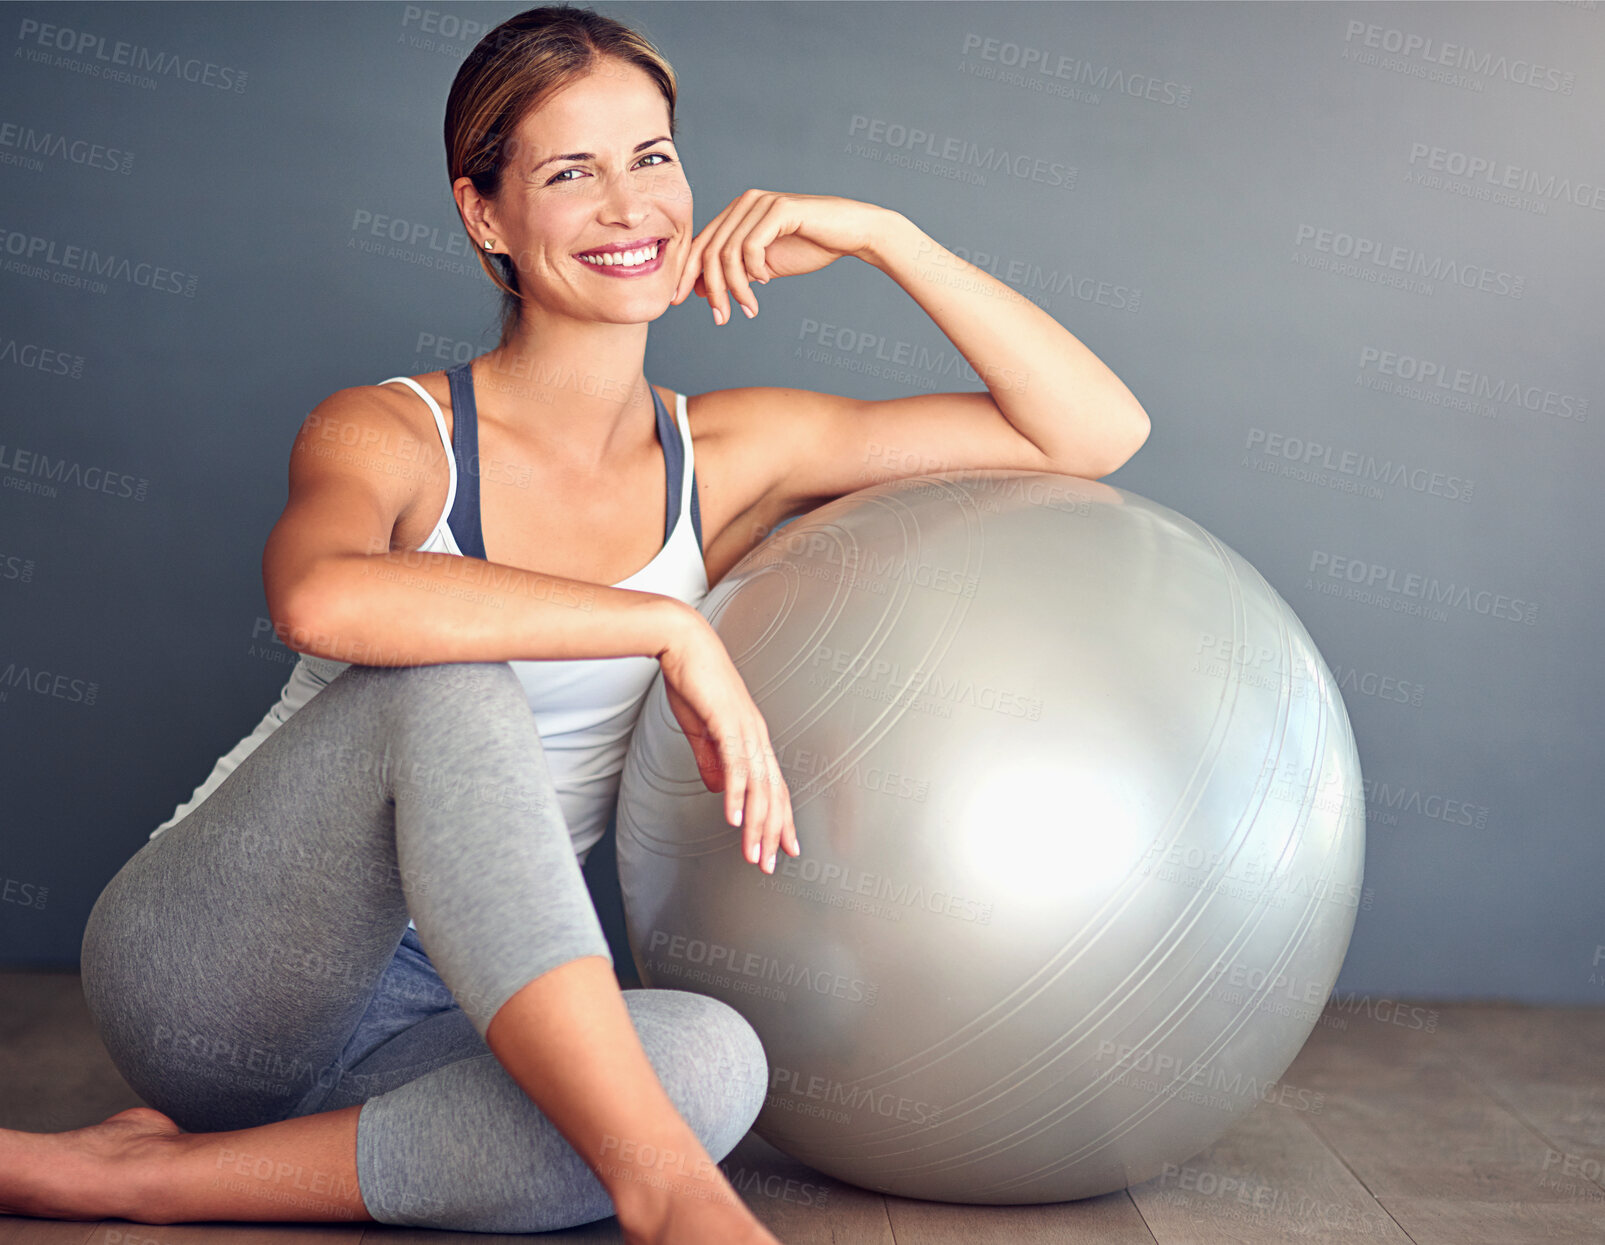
732,412
390,406
755,425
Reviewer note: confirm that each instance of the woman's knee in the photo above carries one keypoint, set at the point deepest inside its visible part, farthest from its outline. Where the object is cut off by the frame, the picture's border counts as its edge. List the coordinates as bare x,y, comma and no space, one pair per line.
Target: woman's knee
458,698
710,1060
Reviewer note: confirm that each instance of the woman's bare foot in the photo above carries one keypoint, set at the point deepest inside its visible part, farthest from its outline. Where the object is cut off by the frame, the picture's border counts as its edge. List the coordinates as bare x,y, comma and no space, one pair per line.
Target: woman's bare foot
84,1173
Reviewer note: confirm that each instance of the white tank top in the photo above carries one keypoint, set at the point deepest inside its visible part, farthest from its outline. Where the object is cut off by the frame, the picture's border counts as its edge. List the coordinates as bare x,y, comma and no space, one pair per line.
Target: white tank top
584,709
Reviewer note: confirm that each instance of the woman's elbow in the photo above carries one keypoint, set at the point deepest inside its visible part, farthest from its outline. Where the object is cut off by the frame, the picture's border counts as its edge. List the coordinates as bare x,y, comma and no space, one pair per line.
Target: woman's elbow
300,611
1136,428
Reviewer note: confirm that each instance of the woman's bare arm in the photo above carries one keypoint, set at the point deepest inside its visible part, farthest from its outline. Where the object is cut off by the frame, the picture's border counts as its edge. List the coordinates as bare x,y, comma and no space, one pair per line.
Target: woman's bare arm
336,589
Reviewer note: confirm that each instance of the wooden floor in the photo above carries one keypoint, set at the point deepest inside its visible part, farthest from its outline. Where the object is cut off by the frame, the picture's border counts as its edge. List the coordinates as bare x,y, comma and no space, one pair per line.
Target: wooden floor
1445,1124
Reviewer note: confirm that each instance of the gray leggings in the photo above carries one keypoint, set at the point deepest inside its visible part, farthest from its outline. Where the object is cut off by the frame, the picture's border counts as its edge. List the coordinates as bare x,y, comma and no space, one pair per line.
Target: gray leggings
249,964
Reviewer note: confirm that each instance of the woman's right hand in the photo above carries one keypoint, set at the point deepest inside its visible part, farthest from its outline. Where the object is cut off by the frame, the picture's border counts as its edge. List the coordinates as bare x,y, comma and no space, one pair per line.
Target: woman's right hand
730,739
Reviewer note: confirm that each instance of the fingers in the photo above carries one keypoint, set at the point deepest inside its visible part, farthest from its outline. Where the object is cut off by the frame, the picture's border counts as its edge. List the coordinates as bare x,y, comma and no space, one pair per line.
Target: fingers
758,800
726,255
736,757
744,770
694,256
717,274
729,275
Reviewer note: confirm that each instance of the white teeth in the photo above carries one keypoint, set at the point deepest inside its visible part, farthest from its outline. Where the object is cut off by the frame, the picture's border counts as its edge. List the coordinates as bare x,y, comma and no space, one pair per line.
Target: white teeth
624,259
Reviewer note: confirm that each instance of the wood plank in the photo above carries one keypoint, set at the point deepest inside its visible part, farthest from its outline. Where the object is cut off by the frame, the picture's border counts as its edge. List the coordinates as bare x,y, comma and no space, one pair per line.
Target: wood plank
1369,1035
1268,1179
1111,1219
57,1072
1430,1132
30,1001
1541,1043
1436,1221
1545,1064
1572,1117
124,1232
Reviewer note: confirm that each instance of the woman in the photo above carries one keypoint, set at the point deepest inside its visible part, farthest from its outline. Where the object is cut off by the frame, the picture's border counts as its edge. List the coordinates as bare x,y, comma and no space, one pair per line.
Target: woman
450,743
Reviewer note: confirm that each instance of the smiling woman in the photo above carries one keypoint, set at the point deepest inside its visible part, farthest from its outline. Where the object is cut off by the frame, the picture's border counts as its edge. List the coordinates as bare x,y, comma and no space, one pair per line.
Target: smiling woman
408,1004
522,192
408,992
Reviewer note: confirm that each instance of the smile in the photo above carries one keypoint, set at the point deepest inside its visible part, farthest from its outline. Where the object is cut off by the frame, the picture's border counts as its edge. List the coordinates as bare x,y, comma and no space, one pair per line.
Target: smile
642,259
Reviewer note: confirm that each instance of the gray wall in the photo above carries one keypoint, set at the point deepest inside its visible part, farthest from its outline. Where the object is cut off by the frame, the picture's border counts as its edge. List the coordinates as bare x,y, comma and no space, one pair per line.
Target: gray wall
1348,256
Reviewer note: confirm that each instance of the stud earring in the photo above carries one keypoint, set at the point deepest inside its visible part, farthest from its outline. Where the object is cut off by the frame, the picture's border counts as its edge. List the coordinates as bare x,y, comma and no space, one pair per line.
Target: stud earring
489,245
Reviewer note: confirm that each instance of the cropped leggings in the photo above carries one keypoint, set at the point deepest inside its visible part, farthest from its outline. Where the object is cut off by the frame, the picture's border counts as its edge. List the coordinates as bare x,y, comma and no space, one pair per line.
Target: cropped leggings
253,962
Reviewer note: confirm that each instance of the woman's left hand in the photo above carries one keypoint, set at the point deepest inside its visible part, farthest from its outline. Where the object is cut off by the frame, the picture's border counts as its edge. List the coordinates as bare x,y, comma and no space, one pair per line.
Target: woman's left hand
771,233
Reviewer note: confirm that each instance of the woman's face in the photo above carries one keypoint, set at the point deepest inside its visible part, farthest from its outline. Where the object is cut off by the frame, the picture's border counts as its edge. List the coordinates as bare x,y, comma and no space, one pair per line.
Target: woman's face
556,202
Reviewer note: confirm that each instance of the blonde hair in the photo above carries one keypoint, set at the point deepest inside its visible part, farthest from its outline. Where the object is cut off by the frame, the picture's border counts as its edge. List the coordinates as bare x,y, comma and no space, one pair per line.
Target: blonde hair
510,73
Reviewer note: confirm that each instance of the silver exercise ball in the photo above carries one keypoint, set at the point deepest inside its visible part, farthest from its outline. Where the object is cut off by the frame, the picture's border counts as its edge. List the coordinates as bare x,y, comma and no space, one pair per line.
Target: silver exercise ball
1082,838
